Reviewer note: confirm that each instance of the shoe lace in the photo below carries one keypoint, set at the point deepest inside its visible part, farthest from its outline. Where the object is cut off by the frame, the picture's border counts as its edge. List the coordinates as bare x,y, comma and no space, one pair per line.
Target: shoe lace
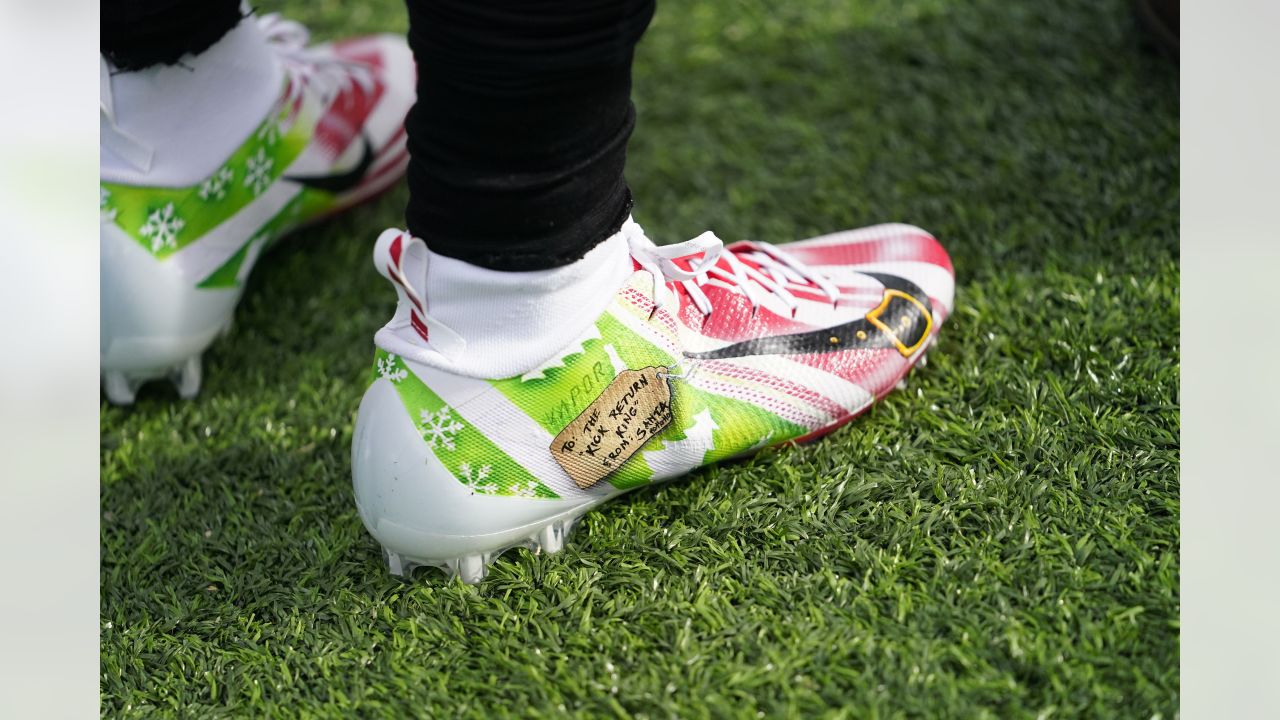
752,269
306,67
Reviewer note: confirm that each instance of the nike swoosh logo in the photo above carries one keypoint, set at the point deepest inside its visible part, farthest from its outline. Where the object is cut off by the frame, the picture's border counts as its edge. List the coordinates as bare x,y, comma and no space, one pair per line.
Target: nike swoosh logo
343,181
903,320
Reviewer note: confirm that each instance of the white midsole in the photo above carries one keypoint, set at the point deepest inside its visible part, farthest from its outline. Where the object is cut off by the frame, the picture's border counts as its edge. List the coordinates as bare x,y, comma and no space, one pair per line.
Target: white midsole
415,507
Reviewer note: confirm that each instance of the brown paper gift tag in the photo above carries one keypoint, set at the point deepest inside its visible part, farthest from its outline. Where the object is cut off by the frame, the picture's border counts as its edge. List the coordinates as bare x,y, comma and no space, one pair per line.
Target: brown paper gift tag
631,410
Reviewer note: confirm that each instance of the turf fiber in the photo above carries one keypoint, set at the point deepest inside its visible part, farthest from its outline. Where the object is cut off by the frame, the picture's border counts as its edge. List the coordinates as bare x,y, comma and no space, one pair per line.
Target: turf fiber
1000,540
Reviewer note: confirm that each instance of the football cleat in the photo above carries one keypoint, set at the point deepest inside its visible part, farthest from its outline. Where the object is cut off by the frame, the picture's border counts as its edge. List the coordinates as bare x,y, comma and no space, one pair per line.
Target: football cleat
175,259
707,352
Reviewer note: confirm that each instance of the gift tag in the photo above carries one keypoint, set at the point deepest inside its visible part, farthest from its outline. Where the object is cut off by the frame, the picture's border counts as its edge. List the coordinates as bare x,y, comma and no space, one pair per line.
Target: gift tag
631,410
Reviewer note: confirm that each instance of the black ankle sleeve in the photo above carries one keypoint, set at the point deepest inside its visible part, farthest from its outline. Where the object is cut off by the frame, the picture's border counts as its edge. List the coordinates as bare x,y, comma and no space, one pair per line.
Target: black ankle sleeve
519,137
139,33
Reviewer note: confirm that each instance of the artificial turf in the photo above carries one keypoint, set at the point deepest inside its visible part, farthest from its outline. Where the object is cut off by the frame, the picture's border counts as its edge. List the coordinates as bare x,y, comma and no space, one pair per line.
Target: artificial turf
1001,540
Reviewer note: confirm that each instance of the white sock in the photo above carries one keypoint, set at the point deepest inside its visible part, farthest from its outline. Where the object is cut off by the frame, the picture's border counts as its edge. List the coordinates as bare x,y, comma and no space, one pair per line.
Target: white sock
188,118
512,322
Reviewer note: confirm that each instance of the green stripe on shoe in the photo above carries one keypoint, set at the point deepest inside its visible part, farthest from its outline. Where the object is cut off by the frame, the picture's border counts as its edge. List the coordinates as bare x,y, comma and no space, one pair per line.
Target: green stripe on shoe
562,392
468,455
740,426
305,205
165,220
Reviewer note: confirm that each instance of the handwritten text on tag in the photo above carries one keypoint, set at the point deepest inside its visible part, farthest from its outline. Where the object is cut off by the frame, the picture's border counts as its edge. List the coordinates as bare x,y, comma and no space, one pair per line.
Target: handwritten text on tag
631,410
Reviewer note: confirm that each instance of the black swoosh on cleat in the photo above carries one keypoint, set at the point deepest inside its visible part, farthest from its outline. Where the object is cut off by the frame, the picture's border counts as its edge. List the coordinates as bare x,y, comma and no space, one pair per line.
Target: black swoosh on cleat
343,181
902,320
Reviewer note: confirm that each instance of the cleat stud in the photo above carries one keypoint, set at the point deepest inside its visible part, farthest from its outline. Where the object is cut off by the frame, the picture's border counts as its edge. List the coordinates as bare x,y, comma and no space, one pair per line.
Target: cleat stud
902,384
551,537
395,563
186,377
470,569
119,389
924,360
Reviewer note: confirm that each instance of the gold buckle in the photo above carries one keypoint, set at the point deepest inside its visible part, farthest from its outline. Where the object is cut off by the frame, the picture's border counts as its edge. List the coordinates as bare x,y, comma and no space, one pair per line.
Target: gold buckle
874,318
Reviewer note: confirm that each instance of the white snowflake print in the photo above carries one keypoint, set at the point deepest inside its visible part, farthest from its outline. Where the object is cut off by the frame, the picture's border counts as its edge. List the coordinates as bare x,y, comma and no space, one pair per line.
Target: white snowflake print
105,211
257,172
162,227
269,133
477,480
215,188
387,369
524,488
440,427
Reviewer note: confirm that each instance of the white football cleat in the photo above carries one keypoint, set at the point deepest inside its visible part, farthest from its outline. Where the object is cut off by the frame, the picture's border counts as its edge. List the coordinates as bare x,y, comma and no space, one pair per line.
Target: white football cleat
175,258
705,353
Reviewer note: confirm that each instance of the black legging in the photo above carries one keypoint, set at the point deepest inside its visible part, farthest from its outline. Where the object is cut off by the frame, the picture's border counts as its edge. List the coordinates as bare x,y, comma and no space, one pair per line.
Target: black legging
518,141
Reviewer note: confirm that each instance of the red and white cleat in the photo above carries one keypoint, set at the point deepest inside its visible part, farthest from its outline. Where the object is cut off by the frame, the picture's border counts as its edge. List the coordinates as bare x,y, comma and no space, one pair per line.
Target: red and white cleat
706,352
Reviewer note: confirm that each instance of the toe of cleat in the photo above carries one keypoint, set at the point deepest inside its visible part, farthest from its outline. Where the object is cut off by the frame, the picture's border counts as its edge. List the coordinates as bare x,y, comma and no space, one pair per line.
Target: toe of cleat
473,568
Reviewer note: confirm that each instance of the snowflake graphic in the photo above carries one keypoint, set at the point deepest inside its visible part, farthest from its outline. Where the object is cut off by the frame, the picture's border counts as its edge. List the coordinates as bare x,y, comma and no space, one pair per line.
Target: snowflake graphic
215,188
440,428
104,210
269,133
387,369
257,173
162,227
525,488
477,480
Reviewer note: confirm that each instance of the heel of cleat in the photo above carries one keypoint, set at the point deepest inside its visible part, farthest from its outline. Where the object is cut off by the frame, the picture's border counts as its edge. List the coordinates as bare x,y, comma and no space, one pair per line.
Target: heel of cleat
424,515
